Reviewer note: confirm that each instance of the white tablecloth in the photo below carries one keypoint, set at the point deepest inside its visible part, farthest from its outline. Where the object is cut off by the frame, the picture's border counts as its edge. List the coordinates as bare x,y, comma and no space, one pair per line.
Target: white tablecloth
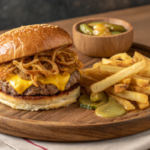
140,141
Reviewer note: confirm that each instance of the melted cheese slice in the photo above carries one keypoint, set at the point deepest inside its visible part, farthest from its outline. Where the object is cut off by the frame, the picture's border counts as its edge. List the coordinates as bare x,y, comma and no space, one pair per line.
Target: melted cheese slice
20,85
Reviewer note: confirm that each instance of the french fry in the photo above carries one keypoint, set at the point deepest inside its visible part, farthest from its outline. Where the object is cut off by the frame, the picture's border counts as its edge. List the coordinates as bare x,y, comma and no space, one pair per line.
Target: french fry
120,63
145,72
143,106
126,81
146,78
96,76
96,70
145,90
118,88
136,79
86,81
127,104
130,78
107,69
130,95
139,81
97,64
138,57
94,73
124,63
122,56
106,61
115,78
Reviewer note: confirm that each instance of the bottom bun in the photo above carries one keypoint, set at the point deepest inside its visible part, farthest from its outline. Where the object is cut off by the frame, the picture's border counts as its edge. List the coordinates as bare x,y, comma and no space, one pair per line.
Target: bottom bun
34,103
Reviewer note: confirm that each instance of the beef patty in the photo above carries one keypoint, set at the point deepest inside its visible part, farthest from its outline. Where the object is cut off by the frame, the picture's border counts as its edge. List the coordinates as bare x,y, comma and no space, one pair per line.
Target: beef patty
42,89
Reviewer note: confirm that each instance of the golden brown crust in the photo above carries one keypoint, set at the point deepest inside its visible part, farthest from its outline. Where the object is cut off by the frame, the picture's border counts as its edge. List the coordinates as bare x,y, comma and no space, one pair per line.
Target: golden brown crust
47,102
32,39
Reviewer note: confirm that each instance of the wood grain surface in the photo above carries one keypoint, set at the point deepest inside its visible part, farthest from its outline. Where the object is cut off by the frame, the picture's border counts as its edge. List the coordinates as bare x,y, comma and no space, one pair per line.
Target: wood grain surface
72,124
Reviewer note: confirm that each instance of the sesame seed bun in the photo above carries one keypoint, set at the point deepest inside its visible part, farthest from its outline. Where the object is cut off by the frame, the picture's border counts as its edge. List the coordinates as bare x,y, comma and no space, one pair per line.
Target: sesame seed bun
28,41
31,39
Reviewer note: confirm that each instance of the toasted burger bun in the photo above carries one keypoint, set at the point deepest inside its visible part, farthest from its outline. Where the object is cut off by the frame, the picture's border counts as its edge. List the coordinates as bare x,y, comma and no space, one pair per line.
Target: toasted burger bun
28,41
32,39
41,102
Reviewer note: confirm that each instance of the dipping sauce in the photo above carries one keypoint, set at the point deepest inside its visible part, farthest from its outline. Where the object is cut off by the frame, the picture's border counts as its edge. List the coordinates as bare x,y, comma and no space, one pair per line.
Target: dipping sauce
111,109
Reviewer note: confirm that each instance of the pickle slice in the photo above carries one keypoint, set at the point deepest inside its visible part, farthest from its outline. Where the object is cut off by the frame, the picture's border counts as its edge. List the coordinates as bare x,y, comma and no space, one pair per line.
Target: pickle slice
84,28
111,27
115,32
85,102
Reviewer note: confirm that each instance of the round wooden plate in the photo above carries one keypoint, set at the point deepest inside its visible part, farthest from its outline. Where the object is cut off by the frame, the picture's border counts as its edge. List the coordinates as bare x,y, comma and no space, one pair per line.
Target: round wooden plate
73,124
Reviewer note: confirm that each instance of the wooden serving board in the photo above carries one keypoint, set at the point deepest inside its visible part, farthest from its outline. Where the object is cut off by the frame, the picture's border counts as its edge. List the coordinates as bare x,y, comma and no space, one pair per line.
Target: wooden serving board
72,123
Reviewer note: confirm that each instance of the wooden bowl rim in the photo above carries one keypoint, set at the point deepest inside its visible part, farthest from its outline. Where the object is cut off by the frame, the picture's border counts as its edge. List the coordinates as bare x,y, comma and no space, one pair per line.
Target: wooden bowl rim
98,18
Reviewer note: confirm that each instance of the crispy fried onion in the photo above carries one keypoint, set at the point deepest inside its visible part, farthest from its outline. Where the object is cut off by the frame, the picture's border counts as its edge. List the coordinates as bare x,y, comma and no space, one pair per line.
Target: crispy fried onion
47,63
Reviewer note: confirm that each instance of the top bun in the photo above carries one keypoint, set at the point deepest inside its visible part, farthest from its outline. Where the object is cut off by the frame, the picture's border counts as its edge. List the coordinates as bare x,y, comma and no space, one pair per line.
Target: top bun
32,39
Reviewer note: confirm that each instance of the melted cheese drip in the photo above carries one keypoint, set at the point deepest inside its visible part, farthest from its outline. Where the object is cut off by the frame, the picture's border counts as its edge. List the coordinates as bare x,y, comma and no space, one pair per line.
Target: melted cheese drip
20,85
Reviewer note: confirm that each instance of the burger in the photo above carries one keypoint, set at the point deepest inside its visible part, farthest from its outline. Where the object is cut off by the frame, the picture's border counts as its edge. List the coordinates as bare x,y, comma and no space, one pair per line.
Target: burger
38,71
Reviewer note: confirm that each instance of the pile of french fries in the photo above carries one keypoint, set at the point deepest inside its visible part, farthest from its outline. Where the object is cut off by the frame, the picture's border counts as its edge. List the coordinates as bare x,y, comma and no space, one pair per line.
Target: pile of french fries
124,78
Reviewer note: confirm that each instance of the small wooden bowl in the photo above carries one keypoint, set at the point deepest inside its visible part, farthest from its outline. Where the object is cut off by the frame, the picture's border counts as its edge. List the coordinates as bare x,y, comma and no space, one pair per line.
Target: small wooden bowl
106,46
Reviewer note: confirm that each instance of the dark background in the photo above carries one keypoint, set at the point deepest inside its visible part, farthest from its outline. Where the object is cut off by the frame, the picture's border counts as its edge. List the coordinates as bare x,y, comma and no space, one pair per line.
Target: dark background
14,13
